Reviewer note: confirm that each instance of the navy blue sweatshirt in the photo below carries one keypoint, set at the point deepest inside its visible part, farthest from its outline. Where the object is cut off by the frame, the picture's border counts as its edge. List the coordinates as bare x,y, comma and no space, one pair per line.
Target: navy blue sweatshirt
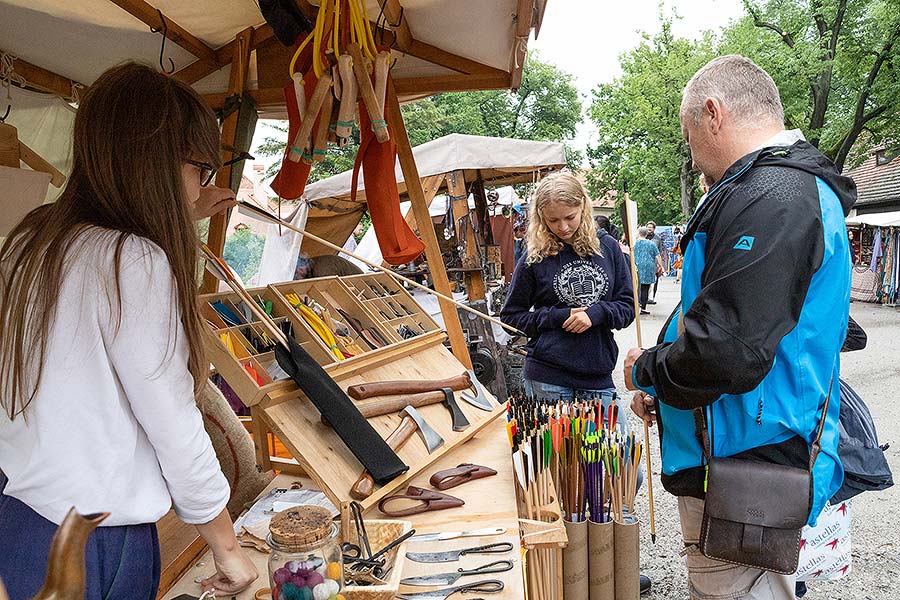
540,300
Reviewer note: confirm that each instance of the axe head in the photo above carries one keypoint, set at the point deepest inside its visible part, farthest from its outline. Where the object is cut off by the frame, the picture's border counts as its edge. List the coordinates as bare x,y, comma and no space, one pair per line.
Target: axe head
480,400
432,439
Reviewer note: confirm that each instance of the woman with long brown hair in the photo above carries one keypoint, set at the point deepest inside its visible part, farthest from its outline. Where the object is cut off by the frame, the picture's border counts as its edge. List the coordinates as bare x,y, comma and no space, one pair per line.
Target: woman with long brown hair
100,350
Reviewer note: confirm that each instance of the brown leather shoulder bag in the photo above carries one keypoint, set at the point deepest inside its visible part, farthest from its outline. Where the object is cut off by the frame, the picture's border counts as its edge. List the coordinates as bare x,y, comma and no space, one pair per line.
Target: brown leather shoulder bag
755,511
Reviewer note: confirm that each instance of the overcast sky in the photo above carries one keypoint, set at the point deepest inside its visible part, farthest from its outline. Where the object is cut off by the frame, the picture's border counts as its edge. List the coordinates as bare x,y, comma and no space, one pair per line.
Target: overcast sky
586,37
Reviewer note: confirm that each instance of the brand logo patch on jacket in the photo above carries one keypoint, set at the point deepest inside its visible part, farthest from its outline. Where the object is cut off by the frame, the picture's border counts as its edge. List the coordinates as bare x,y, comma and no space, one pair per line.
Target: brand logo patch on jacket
745,243
581,283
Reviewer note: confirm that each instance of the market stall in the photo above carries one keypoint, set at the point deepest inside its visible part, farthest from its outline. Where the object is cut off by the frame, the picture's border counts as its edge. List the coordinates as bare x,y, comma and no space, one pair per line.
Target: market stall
235,59
876,274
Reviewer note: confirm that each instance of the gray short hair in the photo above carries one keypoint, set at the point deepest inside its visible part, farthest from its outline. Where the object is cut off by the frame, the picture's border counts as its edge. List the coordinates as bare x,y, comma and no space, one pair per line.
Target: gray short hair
643,231
747,90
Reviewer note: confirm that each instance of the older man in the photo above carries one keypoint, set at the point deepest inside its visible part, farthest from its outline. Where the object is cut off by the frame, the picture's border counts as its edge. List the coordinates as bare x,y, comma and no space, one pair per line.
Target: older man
764,302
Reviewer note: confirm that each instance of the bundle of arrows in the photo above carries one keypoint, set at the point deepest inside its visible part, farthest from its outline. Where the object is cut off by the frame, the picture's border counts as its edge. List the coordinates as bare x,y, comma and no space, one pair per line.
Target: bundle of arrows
583,449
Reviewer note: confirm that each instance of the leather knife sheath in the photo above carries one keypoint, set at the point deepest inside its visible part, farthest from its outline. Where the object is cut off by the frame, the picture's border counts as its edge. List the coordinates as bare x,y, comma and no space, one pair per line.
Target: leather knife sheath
449,478
428,500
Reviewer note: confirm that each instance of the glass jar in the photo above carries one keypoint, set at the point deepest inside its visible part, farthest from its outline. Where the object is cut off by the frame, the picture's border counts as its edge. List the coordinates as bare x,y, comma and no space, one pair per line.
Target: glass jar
306,561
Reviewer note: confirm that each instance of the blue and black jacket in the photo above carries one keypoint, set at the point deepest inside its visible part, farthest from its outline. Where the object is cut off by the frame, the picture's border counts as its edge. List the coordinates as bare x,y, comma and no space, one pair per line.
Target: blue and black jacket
764,304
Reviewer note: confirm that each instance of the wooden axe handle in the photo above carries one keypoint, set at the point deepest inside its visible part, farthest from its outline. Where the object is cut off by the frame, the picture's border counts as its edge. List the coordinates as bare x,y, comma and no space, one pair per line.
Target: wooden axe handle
388,406
386,388
365,485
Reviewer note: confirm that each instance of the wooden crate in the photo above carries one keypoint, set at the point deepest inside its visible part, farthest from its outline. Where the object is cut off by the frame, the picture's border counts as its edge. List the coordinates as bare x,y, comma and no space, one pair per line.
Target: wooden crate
390,302
233,367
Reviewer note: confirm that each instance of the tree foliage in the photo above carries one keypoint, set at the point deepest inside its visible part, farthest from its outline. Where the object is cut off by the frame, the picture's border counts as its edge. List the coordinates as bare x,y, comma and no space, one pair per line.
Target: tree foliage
545,107
243,252
640,140
836,64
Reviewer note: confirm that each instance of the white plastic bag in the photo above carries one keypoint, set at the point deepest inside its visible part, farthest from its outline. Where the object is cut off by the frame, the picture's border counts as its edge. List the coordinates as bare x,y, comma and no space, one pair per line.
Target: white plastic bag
825,550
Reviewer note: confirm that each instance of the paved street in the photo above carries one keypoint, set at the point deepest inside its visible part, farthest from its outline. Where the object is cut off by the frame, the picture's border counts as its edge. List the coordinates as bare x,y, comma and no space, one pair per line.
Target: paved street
873,373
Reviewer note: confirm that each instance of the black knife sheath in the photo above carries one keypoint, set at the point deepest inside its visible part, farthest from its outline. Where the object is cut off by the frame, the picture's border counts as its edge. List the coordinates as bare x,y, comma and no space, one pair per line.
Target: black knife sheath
343,416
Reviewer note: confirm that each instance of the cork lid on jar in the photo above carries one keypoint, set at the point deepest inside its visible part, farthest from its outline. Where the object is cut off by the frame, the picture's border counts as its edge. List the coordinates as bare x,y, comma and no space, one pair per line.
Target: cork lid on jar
301,526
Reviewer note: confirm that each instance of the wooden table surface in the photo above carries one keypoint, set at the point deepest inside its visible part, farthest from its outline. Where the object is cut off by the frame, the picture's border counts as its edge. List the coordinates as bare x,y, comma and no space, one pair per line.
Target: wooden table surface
490,502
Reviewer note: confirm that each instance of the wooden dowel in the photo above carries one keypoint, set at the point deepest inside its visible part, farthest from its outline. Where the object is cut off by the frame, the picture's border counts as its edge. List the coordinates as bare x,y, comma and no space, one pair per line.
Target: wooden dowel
320,142
300,93
348,97
301,141
382,64
379,126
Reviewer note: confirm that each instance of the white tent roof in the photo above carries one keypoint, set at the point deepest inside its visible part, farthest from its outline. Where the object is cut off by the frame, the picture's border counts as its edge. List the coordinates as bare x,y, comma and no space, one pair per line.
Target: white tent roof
457,152
79,39
885,219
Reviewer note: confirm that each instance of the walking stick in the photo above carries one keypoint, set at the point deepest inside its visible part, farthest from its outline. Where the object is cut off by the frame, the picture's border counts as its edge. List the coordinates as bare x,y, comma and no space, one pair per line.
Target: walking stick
629,228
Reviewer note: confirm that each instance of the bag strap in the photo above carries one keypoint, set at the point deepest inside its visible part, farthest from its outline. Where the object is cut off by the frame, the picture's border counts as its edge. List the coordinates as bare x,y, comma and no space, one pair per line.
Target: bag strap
703,437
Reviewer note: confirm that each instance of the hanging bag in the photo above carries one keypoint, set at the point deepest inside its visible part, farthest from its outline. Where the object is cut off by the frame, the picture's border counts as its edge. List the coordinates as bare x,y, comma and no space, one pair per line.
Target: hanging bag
755,511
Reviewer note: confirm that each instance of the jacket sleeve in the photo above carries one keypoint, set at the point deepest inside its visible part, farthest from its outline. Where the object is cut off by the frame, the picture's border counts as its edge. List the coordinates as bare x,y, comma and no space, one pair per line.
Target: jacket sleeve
761,254
520,300
618,311
149,350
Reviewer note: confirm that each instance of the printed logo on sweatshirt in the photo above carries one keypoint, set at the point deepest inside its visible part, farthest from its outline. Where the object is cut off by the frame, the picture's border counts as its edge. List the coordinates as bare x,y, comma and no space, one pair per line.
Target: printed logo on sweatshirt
581,283
745,243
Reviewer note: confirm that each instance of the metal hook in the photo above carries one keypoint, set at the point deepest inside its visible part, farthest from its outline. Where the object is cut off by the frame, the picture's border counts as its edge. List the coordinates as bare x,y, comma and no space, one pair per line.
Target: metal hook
162,48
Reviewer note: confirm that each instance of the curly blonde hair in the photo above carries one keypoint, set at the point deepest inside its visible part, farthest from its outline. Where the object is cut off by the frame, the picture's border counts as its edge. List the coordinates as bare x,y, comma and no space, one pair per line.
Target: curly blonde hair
565,189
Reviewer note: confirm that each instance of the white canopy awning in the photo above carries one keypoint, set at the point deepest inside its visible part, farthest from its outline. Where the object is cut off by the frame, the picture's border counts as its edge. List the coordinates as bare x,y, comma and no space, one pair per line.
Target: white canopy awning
440,45
496,158
885,219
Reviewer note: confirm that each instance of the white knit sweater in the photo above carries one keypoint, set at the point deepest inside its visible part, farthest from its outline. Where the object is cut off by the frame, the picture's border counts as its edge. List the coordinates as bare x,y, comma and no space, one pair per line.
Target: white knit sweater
114,426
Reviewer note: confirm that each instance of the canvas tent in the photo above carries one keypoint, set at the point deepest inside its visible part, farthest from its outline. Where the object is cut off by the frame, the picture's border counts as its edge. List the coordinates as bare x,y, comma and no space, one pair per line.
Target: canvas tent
497,161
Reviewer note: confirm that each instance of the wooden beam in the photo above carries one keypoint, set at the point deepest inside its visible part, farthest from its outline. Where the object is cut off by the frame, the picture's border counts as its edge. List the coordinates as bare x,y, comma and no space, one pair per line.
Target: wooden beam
524,17
426,232
46,81
150,16
269,98
240,64
452,83
436,55
222,57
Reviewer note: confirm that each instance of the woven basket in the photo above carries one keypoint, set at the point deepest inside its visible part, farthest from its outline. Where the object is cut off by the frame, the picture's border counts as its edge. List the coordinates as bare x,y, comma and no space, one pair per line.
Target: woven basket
381,533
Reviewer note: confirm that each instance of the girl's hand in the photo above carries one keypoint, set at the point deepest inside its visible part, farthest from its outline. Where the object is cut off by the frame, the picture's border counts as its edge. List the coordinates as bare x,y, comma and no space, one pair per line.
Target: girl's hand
578,321
234,573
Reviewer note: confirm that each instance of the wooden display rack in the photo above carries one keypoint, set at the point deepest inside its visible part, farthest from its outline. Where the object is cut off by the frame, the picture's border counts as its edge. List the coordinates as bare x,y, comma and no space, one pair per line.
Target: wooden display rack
547,534
286,411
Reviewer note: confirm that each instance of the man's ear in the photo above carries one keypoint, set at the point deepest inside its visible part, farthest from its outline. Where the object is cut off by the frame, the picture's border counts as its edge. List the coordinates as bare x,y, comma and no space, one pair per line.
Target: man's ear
713,108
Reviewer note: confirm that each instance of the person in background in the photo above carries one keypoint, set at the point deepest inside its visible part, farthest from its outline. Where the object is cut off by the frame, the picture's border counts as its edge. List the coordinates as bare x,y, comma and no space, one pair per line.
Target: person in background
855,247
519,241
98,379
676,251
663,254
327,265
753,349
648,263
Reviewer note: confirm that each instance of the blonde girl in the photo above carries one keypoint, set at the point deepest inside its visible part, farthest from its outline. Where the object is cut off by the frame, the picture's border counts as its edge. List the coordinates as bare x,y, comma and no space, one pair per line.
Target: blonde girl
568,294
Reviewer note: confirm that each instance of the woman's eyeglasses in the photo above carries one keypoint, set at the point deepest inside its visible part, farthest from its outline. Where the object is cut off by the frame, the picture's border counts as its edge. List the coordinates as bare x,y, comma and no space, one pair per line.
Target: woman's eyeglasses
208,172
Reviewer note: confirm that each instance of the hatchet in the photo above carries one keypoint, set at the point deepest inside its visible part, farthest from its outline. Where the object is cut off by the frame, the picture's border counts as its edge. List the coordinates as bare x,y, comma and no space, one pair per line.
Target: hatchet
412,421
